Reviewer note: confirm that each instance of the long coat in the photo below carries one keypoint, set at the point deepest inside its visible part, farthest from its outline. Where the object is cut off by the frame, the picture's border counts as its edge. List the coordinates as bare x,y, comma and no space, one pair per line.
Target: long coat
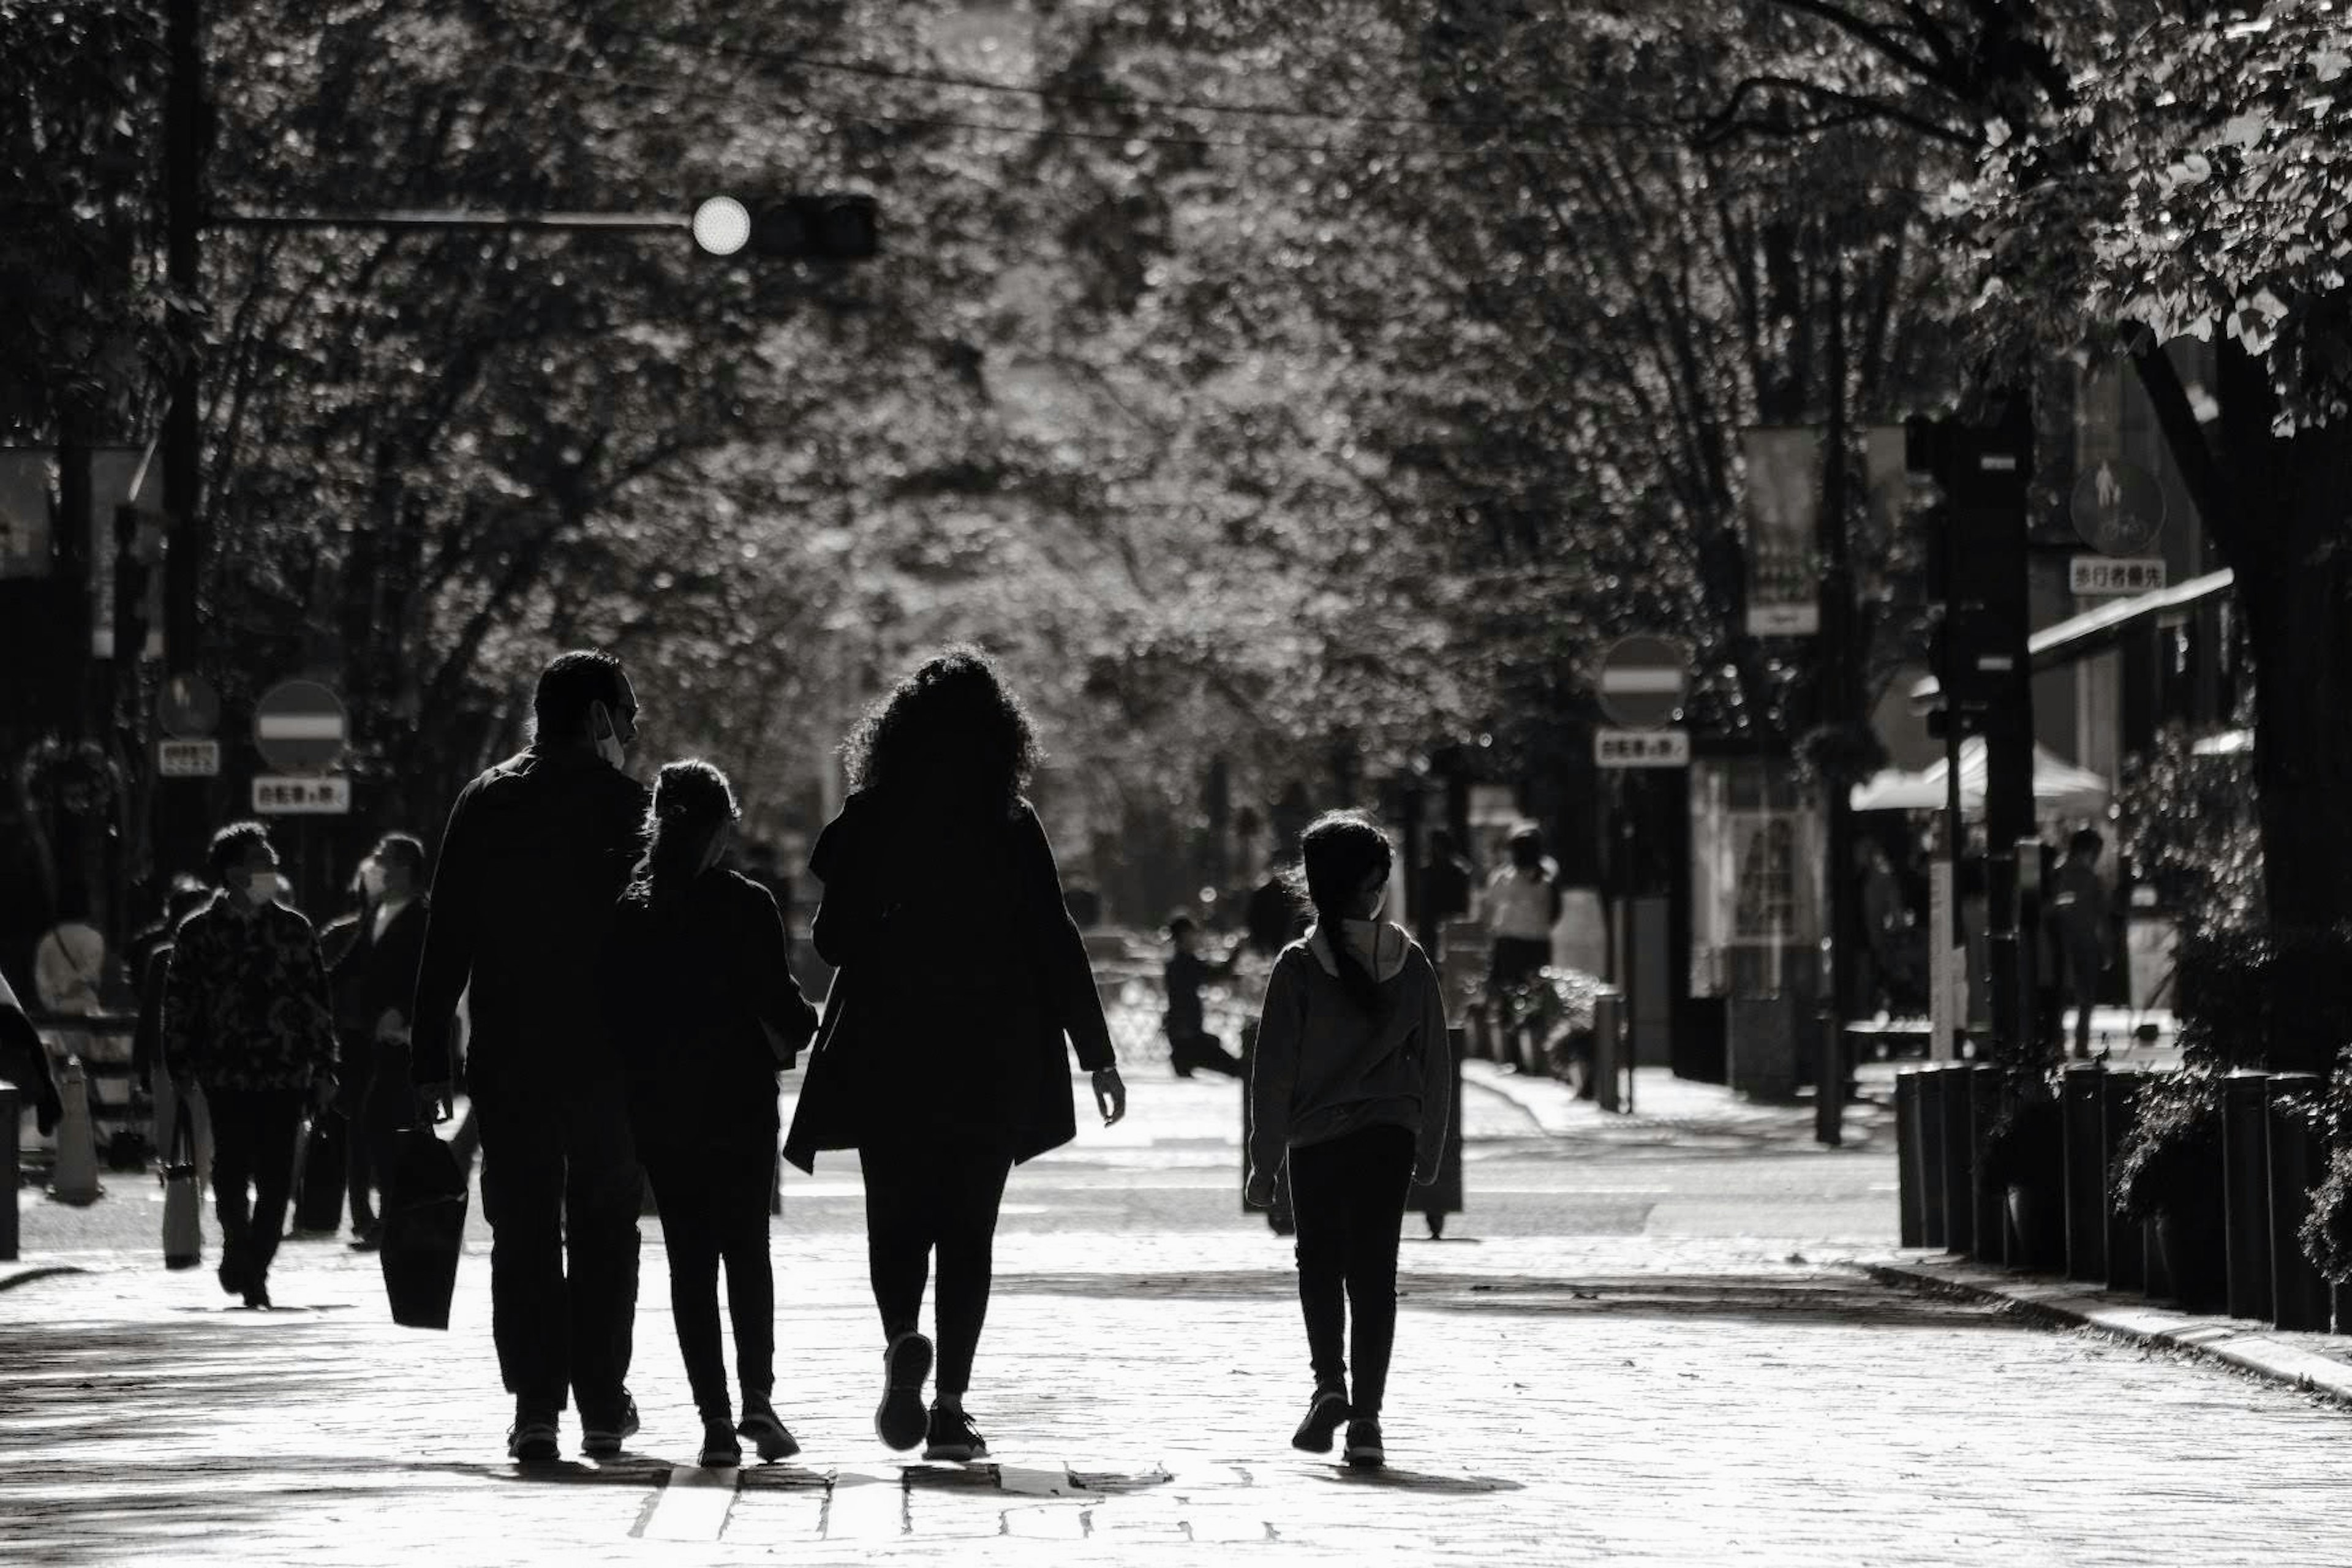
960,973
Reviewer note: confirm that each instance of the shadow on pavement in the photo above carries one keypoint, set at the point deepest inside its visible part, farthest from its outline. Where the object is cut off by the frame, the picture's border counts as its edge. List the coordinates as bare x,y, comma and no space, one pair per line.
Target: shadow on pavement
1811,1298
1390,1479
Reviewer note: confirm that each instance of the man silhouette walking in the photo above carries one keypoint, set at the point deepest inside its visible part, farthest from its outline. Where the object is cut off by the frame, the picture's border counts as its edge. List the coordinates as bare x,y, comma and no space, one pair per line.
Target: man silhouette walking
533,862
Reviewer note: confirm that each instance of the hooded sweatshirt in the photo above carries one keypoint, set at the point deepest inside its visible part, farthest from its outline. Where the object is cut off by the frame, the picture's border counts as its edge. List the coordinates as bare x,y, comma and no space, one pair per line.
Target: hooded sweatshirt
1324,1066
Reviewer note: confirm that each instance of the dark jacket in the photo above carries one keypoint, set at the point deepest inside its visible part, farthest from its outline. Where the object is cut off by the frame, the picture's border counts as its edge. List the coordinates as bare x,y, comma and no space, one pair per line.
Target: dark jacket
25,1061
536,853
960,972
705,1012
377,974
245,1001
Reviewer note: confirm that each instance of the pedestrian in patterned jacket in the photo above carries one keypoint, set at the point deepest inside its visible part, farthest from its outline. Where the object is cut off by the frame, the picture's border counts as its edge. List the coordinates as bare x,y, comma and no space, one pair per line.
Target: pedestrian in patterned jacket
246,1016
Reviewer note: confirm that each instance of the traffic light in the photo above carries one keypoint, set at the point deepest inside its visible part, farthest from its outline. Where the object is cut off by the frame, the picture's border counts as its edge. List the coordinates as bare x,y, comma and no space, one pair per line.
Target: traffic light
826,226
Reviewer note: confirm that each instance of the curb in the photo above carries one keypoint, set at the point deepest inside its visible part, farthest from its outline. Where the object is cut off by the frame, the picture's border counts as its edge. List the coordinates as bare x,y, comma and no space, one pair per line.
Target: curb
2265,1353
29,1276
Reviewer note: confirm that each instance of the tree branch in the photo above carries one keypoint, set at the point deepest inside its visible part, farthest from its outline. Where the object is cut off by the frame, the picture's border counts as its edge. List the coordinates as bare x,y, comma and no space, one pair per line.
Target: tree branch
1725,122
2200,468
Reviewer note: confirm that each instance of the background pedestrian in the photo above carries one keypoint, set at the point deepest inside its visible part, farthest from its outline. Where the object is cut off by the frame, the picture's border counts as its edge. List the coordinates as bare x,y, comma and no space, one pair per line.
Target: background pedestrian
940,1059
248,1018
378,978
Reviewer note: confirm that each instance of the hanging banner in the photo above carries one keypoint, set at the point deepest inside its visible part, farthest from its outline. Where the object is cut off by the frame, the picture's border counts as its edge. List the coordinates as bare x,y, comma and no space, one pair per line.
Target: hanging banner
1783,507
29,477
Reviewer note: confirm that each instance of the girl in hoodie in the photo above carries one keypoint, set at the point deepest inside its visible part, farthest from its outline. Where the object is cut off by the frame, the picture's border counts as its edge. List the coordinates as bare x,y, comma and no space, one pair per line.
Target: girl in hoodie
1348,1087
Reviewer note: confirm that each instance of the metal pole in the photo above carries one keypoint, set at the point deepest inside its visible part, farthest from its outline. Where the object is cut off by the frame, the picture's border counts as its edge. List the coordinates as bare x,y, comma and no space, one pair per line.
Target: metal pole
1837,711
179,823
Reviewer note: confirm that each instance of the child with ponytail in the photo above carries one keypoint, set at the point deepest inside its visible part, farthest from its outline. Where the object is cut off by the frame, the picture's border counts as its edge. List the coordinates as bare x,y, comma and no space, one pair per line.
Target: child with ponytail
1348,1090
708,1013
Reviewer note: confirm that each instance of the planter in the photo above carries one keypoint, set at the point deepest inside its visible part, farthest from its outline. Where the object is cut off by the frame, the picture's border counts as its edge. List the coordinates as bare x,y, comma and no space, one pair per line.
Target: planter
2246,1192
2190,1246
2299,1293
1910,1186
1989,1229
2127,1241
2085,1153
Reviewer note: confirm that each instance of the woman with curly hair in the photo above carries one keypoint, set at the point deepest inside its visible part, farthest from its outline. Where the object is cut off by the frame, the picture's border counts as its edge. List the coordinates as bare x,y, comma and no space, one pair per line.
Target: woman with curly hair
941,1058
708,1016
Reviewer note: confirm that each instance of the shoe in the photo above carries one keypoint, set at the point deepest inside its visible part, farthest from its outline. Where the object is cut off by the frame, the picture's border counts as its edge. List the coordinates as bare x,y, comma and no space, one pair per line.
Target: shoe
231,1274
368,1240
257,1293
899,1421
767,1434
953,1437
1323,1419
604,1440
720,1448
531,1439
1363,1451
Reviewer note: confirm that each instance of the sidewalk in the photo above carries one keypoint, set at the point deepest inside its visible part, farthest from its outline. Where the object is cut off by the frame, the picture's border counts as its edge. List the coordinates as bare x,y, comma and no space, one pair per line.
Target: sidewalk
1642,1350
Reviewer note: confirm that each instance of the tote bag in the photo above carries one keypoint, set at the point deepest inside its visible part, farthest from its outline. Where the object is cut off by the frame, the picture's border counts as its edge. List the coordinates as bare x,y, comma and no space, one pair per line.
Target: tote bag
183,1235
423,1230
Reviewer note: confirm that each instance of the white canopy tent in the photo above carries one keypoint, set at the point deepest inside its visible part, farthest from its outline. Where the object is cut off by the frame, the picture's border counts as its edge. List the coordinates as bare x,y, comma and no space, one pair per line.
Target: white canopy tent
2059,786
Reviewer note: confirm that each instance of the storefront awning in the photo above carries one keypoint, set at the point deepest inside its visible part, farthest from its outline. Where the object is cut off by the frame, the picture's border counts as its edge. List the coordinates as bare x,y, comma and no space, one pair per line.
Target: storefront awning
2095,631
2059,786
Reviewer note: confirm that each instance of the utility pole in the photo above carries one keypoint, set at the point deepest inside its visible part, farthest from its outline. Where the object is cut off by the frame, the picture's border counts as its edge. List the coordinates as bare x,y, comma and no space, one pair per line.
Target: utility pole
180,811
1838,712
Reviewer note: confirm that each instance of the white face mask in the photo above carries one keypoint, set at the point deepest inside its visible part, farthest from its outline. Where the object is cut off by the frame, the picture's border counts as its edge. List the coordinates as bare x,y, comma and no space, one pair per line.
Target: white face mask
261,887
372,880
606,738
608,746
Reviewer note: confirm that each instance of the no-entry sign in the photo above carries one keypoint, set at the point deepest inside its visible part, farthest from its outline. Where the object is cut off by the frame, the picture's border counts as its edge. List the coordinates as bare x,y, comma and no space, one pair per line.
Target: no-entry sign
299,727
1644,680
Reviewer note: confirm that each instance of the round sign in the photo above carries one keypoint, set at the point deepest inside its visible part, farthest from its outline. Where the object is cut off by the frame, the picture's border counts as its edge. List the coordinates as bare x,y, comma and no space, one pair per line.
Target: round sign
299,725
721,225
1644,680
188,706
2118,508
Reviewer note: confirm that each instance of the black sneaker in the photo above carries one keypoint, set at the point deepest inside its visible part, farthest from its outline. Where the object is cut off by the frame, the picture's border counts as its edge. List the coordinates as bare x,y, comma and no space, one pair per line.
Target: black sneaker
1363,1451
1323,1419
769,1435
953,1438
257,1294
720,1448
899,1421
603,1439
531,1439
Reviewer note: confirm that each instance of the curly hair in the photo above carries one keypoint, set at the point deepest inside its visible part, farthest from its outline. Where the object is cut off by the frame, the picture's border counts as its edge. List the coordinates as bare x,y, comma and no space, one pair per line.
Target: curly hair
950,732
691,800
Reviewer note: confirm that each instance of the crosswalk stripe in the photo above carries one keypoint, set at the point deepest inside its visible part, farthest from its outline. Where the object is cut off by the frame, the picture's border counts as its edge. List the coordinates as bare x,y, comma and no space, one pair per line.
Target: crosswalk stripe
693,1506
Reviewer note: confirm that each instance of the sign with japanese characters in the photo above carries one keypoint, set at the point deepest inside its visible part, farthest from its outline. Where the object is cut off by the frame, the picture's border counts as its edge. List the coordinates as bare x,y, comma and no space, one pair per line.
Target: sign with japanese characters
2089,575
187,759
324,794
1642,748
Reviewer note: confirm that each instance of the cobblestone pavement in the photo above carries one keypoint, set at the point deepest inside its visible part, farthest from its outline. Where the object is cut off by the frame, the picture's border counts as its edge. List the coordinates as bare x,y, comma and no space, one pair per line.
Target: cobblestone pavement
1622,1373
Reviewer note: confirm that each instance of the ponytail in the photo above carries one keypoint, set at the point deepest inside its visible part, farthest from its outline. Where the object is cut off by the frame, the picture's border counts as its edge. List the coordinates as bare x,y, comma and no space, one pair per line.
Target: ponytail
692,800
1339,853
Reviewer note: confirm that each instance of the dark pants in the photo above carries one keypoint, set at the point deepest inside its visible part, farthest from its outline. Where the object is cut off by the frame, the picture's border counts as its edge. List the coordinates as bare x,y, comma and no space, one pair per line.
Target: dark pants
2085,964
714,1206
1348,1199
387,1102
561,1184
939,1190
253,1134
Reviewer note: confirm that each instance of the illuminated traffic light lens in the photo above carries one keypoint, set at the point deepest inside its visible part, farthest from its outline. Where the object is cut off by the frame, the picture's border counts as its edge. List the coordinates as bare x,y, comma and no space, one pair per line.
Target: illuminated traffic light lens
721,225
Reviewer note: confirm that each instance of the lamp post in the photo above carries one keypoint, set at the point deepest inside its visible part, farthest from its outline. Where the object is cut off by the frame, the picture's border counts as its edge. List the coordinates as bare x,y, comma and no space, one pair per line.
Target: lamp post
1838,712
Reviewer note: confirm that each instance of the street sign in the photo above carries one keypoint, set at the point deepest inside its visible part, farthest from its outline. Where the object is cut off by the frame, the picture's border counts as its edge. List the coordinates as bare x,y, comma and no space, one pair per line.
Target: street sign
2117,506
1644,680
1641,748
187,759
188,708
316,794
2110,575
299,727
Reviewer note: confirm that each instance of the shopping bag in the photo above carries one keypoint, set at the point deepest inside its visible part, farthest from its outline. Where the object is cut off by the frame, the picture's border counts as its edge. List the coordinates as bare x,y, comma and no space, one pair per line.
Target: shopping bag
319,1200
424,1229
183,1232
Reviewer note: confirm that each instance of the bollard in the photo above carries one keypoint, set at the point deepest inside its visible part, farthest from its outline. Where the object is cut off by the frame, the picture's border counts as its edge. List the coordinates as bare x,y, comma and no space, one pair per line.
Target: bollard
1990,1233
1959,1161
1929,1153
1608,1046
1829,1080
2246,1192
12,1114
2081,1096
2299,1293
2126,1243
1911,1200
74,1179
